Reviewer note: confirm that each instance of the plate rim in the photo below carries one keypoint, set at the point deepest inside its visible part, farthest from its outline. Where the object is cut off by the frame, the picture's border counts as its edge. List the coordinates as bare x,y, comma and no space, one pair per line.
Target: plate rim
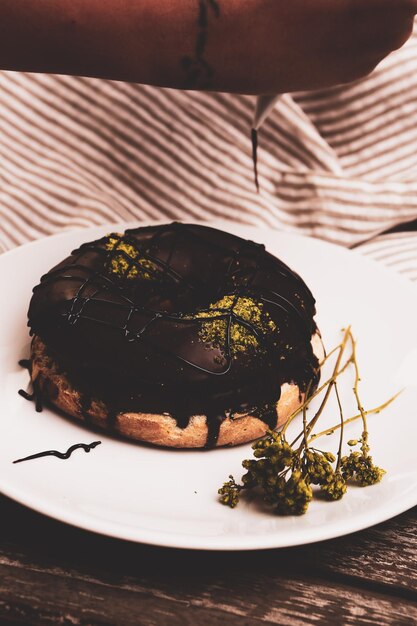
269,542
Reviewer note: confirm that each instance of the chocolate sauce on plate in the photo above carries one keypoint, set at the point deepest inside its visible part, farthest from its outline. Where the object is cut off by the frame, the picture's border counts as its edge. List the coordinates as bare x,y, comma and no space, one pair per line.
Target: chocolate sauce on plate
60,455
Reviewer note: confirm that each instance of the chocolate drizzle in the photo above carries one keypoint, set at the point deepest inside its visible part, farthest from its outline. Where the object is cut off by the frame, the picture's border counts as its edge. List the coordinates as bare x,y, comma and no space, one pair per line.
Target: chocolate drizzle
60,455
36,395
254,139
124,316
214,421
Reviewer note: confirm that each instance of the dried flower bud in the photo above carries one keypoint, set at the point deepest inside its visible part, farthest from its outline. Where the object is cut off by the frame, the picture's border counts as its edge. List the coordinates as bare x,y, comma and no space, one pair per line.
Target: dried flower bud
336,488
230,493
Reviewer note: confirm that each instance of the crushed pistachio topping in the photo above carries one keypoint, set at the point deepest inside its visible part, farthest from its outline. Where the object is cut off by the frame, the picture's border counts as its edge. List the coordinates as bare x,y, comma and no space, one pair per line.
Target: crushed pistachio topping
242,338
125,260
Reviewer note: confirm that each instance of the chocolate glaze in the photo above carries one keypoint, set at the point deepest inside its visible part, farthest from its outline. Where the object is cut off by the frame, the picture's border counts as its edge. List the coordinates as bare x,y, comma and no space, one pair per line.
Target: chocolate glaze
60,455
132,342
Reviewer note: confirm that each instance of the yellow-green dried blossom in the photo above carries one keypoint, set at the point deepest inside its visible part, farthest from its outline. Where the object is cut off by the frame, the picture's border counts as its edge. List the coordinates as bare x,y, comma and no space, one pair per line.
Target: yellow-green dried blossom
317,467
242,338
273,454
125,260
230,493
274,447
335,488
294,495
360,468
255,474
274,457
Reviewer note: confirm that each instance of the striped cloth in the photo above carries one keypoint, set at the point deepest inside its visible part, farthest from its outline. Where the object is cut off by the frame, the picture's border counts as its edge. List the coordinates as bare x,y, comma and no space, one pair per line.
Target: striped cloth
339,164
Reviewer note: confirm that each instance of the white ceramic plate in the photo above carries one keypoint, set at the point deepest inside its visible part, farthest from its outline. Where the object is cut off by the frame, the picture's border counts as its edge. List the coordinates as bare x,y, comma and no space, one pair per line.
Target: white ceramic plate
169,498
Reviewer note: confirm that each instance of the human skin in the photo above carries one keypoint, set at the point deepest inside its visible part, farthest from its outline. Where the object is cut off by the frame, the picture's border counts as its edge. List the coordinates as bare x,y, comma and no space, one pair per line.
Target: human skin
244,46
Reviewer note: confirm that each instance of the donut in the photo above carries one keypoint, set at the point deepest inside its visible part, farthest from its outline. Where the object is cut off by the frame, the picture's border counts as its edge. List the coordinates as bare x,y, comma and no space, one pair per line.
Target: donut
178,335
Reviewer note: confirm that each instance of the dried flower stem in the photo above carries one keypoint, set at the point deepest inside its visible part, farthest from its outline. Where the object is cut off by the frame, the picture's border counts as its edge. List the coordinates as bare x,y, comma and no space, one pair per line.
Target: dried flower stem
364,446
329,385
325,385
329,354
305,417
341,426
377,409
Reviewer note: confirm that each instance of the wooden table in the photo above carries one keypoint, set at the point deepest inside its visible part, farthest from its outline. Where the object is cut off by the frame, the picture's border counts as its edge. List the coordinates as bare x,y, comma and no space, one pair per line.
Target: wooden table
51,573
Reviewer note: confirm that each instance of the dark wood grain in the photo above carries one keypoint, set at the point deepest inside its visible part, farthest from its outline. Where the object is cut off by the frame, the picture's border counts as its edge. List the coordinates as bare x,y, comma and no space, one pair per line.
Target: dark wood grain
52,573
52,596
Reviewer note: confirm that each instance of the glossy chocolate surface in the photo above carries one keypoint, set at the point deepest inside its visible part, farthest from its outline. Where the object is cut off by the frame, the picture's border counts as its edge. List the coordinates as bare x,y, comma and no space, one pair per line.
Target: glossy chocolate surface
134,321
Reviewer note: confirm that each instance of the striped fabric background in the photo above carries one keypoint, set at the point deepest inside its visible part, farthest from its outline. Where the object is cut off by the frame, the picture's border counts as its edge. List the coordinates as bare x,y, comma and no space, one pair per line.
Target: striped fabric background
339,164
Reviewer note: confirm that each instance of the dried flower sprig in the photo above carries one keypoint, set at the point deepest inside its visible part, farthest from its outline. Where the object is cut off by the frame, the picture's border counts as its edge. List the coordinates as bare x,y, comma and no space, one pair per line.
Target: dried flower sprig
283,474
